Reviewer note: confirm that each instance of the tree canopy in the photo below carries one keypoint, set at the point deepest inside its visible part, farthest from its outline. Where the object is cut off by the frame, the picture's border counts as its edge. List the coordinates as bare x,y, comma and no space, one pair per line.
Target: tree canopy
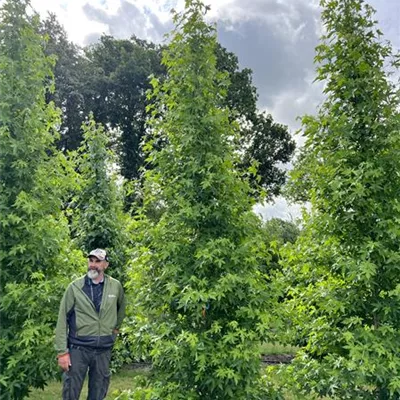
344,274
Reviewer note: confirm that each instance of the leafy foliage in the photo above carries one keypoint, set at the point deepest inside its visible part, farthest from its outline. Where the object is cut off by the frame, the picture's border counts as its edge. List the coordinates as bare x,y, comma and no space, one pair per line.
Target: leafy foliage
344,270
281,231
33,232
278,232
200,299
98,217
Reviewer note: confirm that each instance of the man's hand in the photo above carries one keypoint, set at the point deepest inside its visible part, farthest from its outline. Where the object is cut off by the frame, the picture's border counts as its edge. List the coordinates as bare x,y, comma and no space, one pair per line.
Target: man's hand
64,361
115,331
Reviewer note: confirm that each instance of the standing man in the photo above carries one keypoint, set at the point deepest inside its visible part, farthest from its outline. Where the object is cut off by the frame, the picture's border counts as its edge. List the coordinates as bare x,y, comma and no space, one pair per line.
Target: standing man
91,313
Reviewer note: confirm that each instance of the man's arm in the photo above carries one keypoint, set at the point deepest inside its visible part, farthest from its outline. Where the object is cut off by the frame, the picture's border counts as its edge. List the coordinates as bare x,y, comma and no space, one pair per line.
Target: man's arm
120,307
61,339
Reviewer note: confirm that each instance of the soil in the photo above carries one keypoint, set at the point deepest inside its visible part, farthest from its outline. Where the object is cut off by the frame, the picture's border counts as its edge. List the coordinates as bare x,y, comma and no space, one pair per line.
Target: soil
271,359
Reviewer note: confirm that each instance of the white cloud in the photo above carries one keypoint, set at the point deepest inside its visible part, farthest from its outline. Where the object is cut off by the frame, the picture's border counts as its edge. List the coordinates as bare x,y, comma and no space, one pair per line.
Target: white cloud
71,15
280,208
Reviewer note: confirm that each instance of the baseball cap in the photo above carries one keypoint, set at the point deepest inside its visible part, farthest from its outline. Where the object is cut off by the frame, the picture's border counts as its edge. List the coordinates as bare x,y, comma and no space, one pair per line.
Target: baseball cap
98,253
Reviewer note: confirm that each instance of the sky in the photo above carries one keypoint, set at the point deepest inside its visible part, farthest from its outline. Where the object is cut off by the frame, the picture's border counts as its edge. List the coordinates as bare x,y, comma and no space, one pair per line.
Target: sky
275,38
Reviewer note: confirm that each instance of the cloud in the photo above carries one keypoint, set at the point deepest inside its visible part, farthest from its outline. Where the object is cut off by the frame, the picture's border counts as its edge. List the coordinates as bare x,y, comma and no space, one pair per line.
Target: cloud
290,105
276,40
127,20
280,208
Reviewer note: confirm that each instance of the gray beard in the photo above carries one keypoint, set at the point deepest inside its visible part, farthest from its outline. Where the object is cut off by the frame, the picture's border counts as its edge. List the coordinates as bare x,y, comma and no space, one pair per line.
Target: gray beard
93,274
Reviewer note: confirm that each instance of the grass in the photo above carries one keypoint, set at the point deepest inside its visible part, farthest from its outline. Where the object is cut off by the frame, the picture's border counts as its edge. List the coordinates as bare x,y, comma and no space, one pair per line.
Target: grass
276,348
120,381
123,379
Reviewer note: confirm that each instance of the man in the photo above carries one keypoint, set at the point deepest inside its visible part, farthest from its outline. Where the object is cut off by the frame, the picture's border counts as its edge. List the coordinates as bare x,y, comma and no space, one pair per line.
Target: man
91,312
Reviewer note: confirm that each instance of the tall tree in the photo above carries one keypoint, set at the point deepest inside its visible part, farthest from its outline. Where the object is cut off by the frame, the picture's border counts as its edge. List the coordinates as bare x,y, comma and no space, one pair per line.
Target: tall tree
34,242
98,217
200,297
346,305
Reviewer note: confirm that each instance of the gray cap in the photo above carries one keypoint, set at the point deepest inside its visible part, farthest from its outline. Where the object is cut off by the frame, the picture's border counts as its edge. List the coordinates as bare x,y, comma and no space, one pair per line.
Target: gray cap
98,253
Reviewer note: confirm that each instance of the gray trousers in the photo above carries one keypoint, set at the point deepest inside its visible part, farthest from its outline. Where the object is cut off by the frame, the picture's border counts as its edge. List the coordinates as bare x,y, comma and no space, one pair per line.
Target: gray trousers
82,360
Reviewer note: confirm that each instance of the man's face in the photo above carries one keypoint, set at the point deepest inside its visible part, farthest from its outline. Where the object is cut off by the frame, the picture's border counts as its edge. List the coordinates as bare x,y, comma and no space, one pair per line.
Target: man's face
96,267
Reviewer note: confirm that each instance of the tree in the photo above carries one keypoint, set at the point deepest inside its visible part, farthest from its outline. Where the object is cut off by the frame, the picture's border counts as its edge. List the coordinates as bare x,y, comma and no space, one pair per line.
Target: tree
200,298
70,88
99,220
345,267
34,239
277,233
281,231
116,92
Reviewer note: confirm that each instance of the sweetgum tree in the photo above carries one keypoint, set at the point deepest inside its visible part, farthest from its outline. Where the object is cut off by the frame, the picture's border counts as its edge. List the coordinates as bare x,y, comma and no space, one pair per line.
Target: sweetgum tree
34,252
202,304
98,218
96,210
346,302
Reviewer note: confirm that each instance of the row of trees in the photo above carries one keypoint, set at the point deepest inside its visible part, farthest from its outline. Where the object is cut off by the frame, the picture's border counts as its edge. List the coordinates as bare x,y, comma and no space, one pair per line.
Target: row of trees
203,287
60,192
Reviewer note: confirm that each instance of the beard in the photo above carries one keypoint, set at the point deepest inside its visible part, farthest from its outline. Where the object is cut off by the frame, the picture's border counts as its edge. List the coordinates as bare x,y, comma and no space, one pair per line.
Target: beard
93,273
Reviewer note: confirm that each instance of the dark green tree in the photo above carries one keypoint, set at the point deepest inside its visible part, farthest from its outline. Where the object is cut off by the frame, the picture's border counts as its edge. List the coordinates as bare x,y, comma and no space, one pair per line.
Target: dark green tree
344,270
34,242
281,231
277,233
117,81
200,299
69,95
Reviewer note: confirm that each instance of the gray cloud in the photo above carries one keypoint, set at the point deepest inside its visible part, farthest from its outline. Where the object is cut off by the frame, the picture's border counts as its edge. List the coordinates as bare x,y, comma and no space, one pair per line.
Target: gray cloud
277,42
92,38
129,20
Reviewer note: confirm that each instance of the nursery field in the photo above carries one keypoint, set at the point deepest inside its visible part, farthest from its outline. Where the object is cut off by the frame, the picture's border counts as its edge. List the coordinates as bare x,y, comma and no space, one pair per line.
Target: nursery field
122,380
157,156
119,382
